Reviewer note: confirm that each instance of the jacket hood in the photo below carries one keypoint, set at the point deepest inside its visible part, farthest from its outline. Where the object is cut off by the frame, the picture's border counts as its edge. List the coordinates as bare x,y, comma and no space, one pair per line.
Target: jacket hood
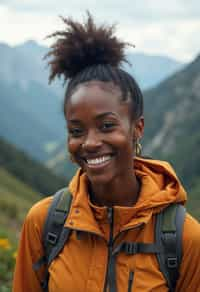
159,188
160,185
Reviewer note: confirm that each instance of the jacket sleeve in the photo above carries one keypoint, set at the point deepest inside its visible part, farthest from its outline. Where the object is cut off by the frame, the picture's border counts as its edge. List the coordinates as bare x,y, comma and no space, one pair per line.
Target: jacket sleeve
30,250
190,266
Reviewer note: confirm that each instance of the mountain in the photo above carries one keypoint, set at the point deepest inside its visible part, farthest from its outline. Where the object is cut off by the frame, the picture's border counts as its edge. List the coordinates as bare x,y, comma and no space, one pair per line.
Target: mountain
29,171
31,111
24,63
172,115
149,70
21,126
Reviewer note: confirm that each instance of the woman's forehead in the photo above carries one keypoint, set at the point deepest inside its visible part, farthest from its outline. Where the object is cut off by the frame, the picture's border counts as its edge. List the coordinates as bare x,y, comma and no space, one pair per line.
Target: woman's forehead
107,86
95,92
96,99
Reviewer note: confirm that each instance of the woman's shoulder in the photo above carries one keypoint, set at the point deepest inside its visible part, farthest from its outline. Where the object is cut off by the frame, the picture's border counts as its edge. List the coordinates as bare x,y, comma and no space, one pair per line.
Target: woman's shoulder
191,232
37,214
190,268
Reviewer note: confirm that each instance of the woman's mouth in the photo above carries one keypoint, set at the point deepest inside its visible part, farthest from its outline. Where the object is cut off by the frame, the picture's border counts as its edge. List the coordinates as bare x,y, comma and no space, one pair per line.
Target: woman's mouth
98,162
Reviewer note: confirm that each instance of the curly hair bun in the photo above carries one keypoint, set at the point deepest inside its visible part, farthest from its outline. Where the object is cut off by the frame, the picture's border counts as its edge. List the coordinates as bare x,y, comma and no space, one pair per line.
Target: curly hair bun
84,45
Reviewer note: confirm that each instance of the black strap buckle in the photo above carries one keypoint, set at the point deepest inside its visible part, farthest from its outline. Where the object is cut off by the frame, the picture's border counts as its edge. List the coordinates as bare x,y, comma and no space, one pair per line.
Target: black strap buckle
131,248
172,262
52,238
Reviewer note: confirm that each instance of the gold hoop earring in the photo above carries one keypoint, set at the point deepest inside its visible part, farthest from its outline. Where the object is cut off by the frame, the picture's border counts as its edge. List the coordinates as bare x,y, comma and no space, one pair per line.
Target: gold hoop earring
71,157
138,148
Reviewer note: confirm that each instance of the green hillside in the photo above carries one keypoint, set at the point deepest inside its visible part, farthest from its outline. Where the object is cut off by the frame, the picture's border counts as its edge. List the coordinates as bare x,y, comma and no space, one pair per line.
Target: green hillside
15,200
33,173
193,204
22,183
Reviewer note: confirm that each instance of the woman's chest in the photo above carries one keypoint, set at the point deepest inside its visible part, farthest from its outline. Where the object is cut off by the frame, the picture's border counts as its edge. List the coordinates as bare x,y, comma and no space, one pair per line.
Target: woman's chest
84,265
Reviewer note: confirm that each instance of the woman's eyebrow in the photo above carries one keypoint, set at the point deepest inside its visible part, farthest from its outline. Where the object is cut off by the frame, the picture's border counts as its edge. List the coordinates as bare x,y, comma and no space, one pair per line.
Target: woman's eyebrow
74,121
105,114
97,117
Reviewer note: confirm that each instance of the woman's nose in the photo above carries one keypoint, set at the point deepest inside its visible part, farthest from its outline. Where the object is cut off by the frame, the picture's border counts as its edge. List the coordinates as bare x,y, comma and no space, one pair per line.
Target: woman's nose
92,141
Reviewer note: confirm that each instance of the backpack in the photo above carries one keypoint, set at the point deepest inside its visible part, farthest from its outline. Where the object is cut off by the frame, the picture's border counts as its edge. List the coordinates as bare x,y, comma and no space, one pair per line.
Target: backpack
167,245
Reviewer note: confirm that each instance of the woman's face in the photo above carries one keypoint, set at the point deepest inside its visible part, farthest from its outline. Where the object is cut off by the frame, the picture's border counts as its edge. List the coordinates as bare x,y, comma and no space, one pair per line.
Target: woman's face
101,133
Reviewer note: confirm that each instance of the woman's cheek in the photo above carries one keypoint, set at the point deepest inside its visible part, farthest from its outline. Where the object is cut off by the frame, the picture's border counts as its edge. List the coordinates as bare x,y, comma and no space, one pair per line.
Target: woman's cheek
73,146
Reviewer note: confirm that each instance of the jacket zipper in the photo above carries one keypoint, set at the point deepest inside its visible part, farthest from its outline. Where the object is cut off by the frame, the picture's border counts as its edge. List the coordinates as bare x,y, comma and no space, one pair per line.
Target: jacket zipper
130,281
110,244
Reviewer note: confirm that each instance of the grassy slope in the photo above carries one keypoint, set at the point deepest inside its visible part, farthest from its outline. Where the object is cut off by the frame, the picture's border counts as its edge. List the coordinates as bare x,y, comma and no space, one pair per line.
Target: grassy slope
193,205
15,200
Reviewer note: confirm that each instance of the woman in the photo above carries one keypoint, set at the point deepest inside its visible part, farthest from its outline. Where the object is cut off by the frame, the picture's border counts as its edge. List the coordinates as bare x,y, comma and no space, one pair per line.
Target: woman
116,195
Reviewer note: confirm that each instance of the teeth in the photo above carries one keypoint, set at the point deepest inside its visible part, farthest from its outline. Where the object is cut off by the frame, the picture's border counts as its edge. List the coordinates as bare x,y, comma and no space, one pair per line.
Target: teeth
98,160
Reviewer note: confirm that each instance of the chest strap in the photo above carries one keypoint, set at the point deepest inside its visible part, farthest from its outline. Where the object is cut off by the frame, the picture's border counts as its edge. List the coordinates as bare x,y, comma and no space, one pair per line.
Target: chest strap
131,248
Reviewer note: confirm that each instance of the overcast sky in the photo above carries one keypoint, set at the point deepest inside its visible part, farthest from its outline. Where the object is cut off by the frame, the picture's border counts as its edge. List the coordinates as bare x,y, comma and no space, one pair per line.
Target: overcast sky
162,27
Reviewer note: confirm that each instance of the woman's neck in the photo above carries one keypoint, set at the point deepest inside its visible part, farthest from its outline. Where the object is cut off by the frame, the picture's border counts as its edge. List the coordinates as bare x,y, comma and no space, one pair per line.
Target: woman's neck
117,193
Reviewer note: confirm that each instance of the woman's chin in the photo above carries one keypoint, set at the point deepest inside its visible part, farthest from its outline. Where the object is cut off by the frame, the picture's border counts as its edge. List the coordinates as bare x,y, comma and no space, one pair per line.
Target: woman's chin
102,179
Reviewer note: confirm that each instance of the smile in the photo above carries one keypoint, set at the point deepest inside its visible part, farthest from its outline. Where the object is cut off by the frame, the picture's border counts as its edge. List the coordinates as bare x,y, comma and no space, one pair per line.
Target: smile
98,161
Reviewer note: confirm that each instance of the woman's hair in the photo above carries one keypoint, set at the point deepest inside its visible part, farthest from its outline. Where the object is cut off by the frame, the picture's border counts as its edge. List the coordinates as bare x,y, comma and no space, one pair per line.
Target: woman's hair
85,52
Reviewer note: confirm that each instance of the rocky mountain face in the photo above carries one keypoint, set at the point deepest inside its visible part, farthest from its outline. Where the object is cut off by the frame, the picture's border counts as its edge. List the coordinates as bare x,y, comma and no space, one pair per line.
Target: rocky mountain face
172,115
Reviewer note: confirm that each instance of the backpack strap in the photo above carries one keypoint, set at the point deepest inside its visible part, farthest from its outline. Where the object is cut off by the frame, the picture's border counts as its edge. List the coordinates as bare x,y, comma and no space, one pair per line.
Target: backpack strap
168,236
54,234
56,218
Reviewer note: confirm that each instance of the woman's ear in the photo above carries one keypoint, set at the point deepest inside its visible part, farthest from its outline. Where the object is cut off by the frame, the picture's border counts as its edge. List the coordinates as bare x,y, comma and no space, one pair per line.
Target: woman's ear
138,128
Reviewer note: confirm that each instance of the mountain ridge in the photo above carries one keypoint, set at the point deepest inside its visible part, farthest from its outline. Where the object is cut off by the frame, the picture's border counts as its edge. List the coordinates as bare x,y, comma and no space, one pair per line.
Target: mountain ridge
32,54
173,131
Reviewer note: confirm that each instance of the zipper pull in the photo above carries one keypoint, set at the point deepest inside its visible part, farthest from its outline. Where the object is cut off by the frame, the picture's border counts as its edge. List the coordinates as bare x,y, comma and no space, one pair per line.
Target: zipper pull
130,281
110,215
111,223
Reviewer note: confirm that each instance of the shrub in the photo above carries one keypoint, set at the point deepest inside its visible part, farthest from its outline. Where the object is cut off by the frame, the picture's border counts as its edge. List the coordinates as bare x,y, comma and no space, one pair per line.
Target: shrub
7,256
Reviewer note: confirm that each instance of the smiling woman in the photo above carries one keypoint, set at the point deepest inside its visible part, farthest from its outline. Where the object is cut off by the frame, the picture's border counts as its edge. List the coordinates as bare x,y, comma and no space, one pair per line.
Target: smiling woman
119,200
100,131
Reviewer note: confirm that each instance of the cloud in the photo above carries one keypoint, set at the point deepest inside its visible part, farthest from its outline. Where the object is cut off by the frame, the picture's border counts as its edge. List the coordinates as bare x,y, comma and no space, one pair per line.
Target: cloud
145,10
154,26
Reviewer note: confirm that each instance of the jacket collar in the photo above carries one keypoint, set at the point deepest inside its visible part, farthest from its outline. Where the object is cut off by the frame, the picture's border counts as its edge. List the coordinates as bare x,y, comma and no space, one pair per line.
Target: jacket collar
159,188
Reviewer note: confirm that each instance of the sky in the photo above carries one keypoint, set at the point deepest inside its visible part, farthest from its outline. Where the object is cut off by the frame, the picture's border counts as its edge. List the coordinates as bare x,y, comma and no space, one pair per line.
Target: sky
154,26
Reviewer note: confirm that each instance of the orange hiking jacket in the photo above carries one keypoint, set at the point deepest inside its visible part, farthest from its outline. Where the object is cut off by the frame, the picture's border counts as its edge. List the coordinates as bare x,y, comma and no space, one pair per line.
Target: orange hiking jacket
82,264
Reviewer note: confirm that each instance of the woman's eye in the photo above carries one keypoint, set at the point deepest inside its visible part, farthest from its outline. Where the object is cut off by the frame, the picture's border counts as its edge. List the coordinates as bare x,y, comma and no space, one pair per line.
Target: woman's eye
108,125
75,132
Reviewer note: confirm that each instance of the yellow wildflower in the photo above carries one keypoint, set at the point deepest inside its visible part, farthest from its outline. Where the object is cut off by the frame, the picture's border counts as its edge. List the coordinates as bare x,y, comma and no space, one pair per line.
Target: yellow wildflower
14,254
5,243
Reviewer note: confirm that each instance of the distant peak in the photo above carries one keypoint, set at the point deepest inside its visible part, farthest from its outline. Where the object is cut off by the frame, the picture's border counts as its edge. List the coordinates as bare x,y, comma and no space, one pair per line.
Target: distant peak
30,44
4,46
